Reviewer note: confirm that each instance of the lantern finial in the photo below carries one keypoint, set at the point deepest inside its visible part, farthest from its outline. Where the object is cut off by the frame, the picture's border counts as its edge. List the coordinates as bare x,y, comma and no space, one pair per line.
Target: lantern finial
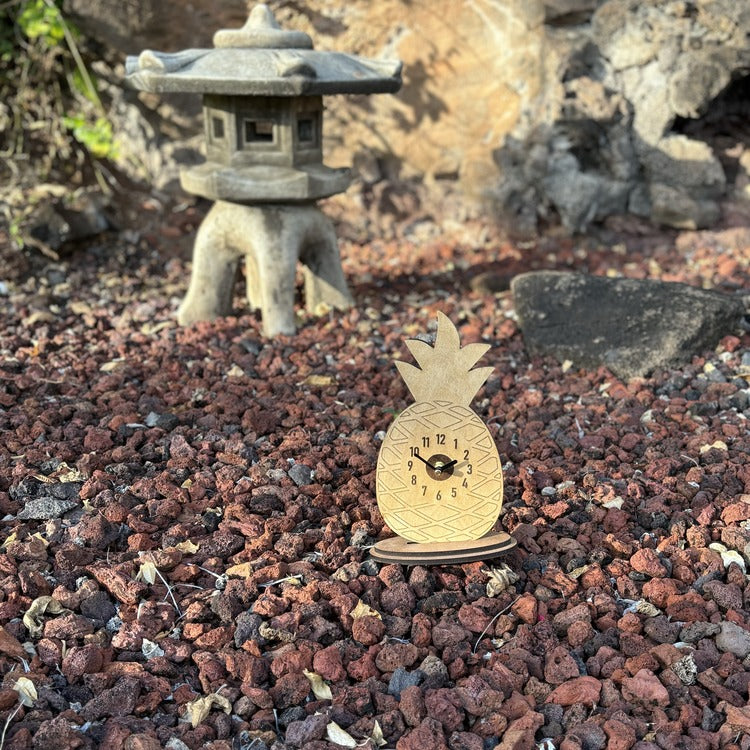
261,30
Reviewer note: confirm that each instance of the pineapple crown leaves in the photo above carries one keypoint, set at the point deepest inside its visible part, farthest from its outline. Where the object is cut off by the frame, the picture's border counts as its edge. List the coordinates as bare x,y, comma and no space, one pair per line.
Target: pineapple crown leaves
444,372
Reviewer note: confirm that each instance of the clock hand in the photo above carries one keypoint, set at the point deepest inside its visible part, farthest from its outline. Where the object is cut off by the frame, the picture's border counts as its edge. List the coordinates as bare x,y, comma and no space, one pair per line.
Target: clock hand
426,463
449,465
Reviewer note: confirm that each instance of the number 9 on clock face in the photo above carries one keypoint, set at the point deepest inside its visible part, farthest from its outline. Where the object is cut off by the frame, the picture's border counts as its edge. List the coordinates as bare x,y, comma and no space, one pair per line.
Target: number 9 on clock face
439,476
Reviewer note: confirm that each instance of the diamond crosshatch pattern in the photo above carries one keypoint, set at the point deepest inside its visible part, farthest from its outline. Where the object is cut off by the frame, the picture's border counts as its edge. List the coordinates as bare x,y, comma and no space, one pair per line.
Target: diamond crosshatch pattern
459,505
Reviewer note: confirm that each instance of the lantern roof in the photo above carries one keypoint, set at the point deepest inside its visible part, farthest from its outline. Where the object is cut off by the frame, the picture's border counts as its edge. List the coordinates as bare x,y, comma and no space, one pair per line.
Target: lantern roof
262,59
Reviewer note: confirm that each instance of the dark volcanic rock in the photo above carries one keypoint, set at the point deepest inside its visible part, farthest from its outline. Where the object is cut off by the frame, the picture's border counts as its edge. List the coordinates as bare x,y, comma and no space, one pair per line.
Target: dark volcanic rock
631,326
46,507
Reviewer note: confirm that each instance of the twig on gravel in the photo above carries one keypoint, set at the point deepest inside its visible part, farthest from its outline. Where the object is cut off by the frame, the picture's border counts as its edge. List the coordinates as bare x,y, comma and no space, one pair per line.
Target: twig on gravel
169,592
7,724
296,577
491,622
221,578
689,458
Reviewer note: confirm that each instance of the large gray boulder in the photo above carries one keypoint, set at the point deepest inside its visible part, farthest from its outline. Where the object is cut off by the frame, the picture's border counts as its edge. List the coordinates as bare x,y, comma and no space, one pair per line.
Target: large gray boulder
631,326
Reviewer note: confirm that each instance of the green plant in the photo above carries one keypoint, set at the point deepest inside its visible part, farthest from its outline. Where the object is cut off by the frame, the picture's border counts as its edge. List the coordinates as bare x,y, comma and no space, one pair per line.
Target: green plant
49,82
96,136
42,20
54,128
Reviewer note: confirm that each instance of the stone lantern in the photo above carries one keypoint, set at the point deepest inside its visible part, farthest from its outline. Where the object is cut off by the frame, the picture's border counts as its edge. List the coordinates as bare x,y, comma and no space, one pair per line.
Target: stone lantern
263,91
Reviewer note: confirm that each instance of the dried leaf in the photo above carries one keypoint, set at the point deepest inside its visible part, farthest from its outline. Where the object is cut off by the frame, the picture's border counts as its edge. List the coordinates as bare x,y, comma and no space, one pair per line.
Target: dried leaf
322,308
319,380
642,607
377,735
363,610
320,689
32,617
187,484
341,737
728,556
151,649
12,537
147,572
719,445
36,535
501,579
80,308
149,329
199,709
235,371
616,502
275,634
241,570
65,473
39,316
578,572
26,691
187,546
112,364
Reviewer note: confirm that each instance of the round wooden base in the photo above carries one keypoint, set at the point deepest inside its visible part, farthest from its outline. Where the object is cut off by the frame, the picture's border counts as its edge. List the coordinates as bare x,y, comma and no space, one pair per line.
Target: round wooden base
400,550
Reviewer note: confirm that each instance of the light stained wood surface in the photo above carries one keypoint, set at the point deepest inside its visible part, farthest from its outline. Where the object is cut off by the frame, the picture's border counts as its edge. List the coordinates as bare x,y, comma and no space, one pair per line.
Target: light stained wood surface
444,372
424,502
399,550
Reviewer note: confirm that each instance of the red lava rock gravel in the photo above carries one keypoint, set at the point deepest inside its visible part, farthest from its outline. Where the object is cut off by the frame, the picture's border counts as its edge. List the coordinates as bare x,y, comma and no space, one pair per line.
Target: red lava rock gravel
186,516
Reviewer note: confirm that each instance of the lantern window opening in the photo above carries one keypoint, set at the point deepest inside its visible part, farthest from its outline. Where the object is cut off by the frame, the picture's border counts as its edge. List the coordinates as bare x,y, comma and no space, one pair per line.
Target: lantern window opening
258,131
217,128
306,130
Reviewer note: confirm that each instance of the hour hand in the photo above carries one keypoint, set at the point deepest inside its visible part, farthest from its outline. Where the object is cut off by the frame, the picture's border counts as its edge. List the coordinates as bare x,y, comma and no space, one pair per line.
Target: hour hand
449,465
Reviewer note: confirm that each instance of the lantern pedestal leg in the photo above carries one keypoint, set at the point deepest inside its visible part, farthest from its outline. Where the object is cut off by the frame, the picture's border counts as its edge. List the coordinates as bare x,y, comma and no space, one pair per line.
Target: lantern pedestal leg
272,238
324,280
214,272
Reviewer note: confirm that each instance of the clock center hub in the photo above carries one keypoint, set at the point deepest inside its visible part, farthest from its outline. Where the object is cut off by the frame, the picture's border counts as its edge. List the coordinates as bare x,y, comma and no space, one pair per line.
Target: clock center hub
435,469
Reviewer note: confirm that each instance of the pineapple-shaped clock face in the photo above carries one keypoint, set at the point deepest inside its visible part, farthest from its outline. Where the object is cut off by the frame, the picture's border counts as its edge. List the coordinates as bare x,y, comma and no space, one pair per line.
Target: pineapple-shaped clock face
439,477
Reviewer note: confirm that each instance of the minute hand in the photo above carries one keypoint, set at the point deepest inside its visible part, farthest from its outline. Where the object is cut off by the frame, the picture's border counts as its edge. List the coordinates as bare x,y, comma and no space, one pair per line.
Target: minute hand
449,465
424,461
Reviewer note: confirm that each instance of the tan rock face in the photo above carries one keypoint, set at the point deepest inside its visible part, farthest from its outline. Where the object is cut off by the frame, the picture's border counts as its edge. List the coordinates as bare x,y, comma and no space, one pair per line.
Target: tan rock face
469,69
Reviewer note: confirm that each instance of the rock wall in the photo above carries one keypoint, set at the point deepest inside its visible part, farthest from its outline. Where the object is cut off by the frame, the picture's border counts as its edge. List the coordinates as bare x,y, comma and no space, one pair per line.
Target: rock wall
545,110
601,137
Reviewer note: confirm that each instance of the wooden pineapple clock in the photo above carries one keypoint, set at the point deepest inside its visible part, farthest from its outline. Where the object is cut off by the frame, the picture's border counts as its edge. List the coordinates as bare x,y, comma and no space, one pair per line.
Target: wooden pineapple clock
439,480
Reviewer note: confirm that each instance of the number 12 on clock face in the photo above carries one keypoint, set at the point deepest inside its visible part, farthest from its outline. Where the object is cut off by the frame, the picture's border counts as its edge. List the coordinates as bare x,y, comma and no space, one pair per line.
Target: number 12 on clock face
439,438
